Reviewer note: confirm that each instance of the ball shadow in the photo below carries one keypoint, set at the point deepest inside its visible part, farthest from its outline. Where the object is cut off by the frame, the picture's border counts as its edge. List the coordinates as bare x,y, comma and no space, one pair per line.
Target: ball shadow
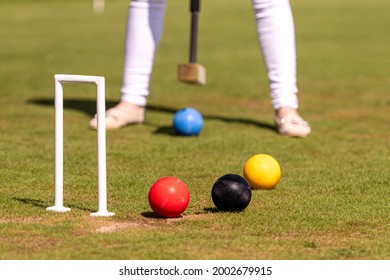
152,215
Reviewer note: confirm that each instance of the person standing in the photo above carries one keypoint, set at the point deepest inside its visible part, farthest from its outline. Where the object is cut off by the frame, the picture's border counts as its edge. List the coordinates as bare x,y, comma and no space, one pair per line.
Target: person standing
276,36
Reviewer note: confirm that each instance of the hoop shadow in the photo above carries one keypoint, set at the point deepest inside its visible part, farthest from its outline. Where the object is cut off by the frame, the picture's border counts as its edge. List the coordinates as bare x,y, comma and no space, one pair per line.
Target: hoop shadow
43,204
88,106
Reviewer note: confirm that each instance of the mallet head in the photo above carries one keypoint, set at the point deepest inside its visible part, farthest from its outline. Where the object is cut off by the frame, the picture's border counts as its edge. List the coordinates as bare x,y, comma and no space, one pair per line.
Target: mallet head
192,73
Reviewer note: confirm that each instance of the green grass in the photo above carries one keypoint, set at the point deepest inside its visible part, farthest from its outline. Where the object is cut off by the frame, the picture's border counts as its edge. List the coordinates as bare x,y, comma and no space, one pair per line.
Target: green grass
333,201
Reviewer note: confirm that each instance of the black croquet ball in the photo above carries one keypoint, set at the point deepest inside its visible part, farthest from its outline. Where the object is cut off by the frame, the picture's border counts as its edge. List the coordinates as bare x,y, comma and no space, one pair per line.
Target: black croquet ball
231,192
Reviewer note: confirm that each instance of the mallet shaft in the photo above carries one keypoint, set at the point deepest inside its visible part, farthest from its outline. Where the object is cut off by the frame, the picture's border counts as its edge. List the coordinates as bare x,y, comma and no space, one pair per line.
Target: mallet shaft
192,72
194,9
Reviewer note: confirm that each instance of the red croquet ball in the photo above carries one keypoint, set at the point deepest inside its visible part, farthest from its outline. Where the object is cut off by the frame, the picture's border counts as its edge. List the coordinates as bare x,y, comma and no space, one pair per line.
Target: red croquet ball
169,197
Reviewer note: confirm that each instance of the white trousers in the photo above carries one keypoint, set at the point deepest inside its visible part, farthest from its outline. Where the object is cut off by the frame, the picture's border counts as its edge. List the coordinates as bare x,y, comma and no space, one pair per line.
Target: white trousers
275,30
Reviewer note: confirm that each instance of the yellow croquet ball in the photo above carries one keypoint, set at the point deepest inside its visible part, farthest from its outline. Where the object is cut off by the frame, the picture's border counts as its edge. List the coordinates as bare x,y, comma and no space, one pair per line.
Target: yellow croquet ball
262,171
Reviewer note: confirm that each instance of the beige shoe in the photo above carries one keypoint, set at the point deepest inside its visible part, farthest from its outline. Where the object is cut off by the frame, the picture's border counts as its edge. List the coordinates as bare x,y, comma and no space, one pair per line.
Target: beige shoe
116,118
292,126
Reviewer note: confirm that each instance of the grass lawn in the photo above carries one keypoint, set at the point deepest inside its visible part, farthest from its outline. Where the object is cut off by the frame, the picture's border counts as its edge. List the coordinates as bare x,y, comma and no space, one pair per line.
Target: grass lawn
333,201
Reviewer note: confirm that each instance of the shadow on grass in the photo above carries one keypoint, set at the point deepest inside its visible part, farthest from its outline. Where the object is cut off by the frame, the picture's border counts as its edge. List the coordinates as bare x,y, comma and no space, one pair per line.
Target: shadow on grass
88,106
152,215
210,210
43,204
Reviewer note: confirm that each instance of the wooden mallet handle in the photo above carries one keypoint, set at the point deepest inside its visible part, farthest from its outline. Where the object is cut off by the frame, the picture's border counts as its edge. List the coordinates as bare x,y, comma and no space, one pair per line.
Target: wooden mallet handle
193,72
194,9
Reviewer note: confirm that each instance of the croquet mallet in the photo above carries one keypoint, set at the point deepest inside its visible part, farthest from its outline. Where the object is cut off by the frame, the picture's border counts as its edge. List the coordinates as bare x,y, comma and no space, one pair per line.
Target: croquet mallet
193,72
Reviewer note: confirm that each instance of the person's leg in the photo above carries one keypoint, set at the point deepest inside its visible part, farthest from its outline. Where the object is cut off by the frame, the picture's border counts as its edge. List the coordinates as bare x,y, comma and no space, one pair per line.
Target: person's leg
143,33
275,29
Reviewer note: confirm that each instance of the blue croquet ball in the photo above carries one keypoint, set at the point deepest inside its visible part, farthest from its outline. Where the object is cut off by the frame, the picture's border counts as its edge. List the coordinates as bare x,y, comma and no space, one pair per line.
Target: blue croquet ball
188,121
